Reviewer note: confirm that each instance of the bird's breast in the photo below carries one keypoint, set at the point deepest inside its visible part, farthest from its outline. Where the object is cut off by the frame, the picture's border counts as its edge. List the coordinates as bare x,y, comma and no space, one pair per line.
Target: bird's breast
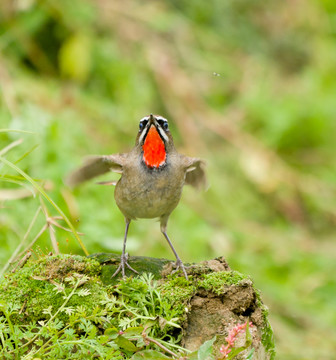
141,193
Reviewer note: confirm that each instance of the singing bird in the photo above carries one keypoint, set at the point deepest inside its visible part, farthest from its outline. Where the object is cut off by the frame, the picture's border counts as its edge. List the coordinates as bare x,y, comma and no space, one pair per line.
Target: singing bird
153,174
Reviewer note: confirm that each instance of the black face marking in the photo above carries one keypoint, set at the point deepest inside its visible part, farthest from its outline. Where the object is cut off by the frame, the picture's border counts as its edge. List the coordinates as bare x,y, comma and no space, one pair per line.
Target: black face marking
163,123
142,124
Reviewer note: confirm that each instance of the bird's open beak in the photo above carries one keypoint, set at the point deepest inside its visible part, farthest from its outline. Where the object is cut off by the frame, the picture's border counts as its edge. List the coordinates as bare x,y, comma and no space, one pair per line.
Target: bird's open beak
152,120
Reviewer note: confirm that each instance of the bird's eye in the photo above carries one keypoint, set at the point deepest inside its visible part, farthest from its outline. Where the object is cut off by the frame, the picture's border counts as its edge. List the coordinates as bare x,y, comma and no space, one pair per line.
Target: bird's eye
163,124
142,124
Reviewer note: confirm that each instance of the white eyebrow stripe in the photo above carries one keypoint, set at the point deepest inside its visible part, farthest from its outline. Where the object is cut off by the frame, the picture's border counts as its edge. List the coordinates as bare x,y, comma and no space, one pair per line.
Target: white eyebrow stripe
161,118
144,118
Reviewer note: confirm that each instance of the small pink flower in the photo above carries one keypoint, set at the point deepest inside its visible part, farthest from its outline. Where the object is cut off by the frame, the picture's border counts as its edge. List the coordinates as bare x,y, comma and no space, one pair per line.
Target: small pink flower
231,338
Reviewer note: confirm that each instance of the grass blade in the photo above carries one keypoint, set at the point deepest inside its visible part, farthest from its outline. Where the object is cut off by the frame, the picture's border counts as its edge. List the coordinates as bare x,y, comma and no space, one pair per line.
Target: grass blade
46,196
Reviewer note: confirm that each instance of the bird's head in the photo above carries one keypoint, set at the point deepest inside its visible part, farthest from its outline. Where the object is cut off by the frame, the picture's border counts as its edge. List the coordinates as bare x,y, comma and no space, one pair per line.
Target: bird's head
154,140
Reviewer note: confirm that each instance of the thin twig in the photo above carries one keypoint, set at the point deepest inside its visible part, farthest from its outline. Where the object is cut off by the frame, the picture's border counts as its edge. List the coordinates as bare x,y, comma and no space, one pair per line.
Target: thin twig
53,239
22,262
149,339
49,225
52,221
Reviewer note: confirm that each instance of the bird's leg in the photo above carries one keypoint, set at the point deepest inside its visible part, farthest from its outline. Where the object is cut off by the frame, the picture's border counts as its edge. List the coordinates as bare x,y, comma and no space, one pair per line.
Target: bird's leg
179,263
124,255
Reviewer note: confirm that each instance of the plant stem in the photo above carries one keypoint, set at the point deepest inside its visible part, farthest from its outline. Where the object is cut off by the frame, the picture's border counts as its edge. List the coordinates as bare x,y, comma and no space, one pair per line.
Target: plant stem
149,339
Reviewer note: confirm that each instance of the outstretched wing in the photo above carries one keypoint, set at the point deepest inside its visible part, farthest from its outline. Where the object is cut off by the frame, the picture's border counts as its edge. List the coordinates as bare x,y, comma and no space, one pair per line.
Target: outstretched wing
95,166
195,173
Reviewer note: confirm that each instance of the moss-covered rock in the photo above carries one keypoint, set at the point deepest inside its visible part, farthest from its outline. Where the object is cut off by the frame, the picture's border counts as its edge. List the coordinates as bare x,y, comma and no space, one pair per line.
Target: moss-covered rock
214,302
211,303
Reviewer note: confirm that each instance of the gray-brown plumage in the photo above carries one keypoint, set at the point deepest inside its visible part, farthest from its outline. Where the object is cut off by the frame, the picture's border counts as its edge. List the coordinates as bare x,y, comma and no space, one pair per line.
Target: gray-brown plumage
153,174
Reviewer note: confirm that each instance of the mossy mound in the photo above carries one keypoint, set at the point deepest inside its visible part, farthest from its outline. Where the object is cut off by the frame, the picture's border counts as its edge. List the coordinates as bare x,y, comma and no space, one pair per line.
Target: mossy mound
209,304
43,283
171,309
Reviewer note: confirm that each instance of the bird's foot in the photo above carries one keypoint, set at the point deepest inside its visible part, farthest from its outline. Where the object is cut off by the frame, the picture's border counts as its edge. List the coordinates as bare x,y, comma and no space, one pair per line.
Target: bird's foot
179,265
121,267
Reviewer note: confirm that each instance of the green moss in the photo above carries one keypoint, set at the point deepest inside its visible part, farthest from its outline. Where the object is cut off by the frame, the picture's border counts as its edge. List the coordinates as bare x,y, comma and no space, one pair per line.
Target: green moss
177,293
35,287
216,281
267,338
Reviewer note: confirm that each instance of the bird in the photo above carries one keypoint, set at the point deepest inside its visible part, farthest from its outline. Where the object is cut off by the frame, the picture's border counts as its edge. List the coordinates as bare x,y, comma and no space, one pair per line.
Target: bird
153,174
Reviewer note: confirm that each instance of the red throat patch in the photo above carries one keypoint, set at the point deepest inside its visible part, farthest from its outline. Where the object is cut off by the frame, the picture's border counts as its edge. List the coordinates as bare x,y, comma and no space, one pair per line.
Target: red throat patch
154,149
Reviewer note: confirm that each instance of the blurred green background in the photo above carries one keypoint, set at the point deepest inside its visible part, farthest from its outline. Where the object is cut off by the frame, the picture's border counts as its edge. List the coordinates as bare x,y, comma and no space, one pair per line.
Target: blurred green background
248,85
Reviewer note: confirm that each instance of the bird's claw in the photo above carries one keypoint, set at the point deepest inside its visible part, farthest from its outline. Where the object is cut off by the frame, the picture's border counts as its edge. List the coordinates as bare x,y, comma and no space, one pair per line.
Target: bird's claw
121,267
179,265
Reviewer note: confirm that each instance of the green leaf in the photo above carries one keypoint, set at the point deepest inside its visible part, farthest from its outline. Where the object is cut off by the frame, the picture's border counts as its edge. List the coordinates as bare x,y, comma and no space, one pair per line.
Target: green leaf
248,336
149,355
250,355
112,332
193,356
150,323
103,339
235,351
205,351
125,344
133,331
